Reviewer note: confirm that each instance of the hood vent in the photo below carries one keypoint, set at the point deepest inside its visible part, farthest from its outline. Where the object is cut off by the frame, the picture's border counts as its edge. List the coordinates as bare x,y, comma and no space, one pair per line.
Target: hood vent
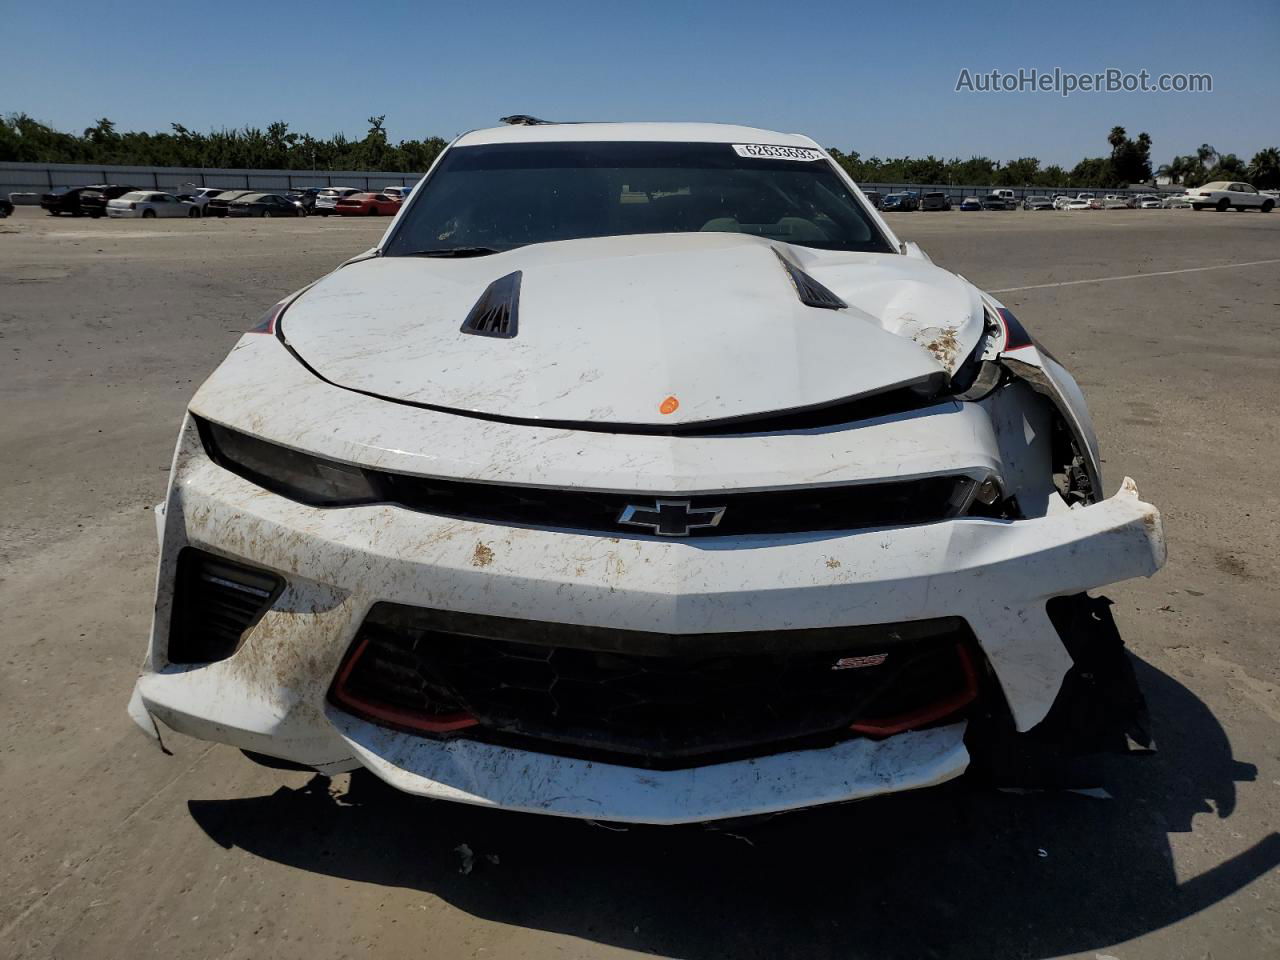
809,290
496,313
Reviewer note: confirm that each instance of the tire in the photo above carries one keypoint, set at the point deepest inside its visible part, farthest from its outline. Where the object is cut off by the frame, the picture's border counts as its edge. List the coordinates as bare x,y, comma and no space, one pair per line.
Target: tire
193,213
373,211
1267,206
266,214
148,214
1197,206
1222,205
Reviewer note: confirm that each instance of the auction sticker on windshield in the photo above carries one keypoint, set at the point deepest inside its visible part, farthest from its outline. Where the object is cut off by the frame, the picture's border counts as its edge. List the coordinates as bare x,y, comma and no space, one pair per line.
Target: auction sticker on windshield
769,151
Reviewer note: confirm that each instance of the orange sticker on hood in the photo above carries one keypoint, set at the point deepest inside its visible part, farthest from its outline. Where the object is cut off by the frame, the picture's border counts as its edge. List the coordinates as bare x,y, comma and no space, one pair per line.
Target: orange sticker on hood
669,405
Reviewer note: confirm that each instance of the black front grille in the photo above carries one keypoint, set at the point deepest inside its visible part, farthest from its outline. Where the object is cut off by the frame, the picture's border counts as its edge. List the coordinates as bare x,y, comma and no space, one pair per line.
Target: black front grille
649,699
892,503
215,603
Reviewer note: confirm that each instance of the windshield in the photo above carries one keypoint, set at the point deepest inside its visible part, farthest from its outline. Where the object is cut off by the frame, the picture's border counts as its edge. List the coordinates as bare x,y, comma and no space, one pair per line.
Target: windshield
501,196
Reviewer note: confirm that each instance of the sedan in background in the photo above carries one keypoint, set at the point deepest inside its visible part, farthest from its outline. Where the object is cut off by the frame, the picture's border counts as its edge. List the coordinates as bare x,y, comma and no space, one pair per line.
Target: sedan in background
936,201
61,201
305,198
94,200
874,198
970,203
994,201
200,196
148,204
1179,201
218,206
1221,195
264,205
1080,203
901,202
327,199
368,205
1147,201
398,193
1037,203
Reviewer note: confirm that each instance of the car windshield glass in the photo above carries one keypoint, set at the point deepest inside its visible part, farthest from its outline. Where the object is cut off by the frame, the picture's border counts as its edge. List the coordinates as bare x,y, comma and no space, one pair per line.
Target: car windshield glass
502,196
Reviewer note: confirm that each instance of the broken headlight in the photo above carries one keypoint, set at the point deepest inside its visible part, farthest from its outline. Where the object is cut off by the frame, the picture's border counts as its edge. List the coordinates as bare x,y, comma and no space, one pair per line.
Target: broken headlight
298,476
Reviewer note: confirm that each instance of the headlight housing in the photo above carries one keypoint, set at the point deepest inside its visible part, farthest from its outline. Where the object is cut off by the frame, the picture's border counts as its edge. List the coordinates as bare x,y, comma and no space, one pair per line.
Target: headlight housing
298,476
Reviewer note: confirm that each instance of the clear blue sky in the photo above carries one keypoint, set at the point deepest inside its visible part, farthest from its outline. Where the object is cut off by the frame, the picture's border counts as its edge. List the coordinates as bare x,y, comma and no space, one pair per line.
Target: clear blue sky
877,79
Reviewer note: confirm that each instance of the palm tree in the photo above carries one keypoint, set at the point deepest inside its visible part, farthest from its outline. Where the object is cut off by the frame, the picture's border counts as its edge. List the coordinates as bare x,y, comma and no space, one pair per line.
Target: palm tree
1264,169
1206,154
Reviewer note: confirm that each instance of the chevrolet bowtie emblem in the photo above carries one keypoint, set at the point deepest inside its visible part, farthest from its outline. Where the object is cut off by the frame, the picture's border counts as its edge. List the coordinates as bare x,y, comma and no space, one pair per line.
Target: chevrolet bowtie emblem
671,518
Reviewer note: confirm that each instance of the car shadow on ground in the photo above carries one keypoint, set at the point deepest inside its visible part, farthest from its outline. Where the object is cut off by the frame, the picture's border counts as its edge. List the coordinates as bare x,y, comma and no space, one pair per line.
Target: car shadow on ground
958,871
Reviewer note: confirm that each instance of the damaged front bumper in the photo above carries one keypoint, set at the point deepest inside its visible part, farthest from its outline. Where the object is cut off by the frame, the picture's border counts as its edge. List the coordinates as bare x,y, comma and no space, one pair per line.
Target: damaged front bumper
270,697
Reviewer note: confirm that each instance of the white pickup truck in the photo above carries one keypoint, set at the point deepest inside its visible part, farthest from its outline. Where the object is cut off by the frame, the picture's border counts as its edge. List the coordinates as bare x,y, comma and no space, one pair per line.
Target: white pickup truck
1222,194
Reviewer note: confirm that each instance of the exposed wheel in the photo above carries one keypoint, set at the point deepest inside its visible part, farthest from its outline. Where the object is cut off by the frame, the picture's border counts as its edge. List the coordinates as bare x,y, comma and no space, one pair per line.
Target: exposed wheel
1222,205
373,211
148,214
1267,206
193,213
1197,206
266,214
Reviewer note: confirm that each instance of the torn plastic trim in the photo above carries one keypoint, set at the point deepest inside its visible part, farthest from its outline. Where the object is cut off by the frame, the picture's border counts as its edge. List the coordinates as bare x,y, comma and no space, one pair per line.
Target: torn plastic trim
1040,380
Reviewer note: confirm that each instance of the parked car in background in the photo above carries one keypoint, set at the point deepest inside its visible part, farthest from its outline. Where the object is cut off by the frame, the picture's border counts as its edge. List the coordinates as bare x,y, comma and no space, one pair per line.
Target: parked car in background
1038,203
935,201
1178,201
367,205
874,197
1115,201
1061,200
305,198
1147,201
6,207
996,201
64,200
264,205
1007,194
327,199
900,202
93,200
217,206
970,203
1222,195
150,203
1080,203
398,193
200,196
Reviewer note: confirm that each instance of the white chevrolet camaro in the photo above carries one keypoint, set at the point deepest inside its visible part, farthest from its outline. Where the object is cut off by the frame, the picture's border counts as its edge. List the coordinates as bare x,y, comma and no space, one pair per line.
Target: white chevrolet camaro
641,473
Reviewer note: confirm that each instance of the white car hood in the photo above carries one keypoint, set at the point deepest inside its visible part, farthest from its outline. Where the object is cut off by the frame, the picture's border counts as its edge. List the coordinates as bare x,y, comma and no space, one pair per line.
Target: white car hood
610,328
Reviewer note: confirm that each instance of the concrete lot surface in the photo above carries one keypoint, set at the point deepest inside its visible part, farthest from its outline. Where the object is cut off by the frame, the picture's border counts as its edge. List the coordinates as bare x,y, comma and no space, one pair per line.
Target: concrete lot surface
112,849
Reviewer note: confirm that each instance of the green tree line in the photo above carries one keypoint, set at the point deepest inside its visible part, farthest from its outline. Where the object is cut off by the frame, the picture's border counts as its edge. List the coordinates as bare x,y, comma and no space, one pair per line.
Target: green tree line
24,139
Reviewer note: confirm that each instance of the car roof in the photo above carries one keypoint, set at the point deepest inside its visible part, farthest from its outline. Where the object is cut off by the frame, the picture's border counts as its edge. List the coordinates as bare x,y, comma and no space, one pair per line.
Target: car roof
656,132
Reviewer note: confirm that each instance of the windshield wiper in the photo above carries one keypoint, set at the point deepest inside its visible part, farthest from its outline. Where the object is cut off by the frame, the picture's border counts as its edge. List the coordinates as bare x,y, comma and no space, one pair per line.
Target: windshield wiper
453,252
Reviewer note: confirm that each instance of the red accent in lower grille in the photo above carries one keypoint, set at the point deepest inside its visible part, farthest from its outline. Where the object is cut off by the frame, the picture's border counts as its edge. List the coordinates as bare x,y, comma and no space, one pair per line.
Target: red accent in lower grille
934,712
383,713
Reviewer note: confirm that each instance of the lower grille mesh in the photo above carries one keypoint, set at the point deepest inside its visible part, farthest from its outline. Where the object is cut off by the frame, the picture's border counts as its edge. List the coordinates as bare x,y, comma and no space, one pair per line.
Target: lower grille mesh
646,699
